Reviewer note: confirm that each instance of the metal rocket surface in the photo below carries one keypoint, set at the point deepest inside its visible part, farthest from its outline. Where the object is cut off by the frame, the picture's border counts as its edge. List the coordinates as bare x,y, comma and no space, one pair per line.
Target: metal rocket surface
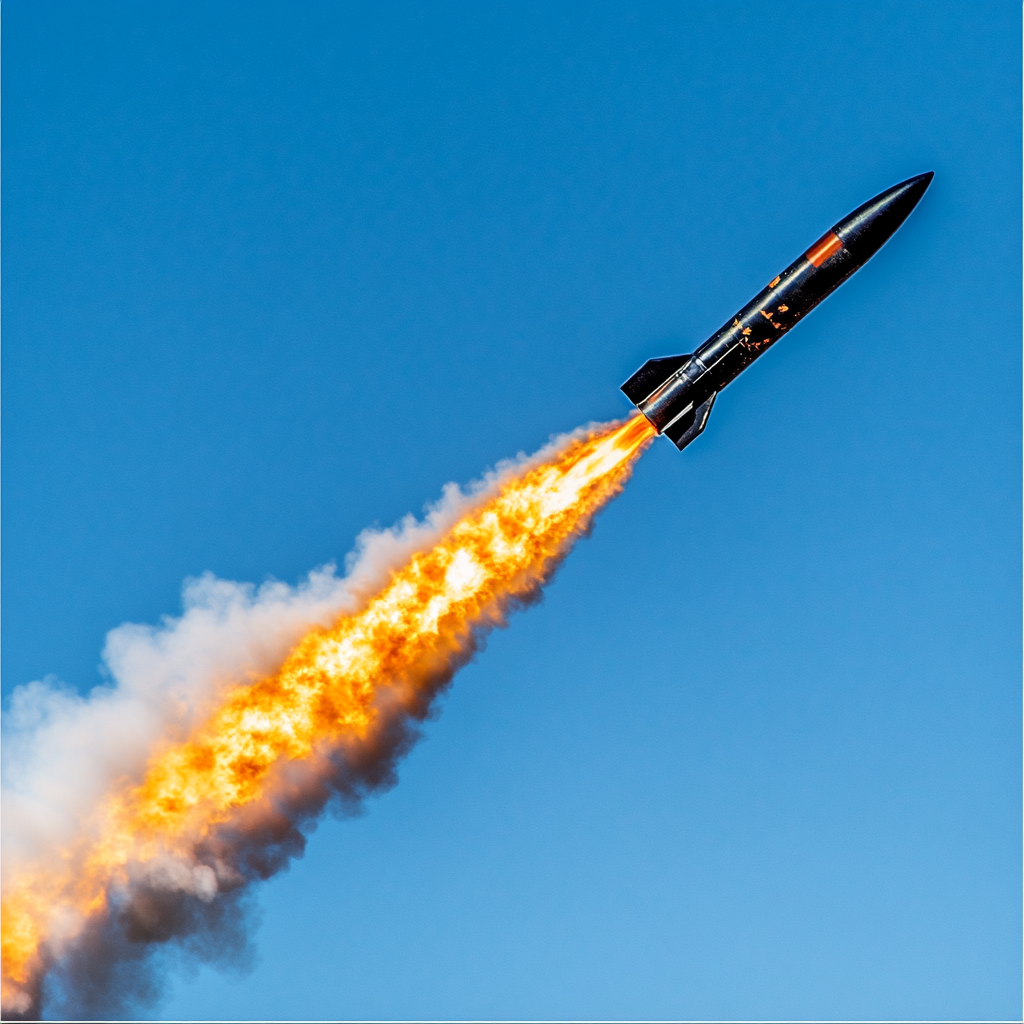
676,393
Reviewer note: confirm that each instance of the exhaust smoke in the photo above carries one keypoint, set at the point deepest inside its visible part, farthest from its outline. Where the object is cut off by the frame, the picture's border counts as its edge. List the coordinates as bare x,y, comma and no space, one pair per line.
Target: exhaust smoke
135,820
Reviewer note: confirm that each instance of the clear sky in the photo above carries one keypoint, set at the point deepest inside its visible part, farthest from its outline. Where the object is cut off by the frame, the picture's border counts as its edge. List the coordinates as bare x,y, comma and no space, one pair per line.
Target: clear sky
274,272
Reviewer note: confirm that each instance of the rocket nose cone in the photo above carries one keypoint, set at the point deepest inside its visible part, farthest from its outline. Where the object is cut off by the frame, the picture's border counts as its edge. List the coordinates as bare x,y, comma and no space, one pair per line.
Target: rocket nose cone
917,185
870,226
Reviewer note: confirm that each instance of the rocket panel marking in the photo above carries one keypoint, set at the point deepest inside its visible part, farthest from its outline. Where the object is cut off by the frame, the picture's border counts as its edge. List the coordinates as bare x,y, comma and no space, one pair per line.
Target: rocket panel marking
825,248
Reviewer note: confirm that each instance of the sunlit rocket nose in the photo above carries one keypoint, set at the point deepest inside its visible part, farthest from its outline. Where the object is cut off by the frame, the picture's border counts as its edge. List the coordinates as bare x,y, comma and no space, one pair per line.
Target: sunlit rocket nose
870,226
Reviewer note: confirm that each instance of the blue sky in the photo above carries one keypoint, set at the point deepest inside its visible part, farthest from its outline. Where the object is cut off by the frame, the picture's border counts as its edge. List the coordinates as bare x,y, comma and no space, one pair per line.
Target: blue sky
277,272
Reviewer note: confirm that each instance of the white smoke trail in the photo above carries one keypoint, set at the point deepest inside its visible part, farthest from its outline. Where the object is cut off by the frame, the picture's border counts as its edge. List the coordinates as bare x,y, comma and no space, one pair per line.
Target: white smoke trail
63,754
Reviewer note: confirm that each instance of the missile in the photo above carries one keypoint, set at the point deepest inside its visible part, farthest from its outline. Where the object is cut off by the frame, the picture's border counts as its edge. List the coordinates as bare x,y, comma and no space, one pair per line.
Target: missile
676,393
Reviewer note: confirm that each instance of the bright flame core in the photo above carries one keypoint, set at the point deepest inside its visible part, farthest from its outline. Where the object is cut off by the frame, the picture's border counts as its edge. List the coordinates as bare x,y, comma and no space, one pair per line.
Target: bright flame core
337,689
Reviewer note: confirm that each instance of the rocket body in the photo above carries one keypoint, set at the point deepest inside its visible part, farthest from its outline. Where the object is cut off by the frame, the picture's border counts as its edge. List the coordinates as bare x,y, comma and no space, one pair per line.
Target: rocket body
676,393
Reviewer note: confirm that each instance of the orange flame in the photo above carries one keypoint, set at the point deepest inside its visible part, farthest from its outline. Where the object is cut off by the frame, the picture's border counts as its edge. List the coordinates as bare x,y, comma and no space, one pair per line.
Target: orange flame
338,687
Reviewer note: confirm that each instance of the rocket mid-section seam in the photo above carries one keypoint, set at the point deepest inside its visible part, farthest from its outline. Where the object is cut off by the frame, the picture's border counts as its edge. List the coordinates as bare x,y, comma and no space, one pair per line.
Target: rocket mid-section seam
682,377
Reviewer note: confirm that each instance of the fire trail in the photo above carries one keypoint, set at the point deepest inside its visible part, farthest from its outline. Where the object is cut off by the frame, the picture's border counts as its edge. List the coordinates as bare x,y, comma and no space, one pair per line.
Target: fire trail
164,856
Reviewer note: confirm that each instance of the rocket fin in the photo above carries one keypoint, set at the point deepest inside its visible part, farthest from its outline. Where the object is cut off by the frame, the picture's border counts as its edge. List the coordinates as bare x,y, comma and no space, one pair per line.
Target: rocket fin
687,427
650,376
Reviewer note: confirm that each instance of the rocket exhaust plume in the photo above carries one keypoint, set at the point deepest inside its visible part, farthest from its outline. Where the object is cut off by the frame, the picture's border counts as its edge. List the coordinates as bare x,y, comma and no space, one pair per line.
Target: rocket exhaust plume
256,711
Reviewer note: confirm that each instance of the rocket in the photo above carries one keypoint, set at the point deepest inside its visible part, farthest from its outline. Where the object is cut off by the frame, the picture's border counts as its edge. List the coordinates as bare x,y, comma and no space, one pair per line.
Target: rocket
676,393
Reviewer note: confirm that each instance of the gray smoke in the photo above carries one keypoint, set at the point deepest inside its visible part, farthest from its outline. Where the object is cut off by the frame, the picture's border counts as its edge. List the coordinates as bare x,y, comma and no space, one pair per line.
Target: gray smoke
62,753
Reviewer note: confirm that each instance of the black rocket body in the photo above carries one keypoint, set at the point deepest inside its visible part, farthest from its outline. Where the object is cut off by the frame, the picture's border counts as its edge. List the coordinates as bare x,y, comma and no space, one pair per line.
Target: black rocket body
676,393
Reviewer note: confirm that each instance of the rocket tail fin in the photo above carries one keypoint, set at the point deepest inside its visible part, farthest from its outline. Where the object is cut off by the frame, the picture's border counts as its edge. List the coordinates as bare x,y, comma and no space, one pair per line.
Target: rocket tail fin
651,376
687,427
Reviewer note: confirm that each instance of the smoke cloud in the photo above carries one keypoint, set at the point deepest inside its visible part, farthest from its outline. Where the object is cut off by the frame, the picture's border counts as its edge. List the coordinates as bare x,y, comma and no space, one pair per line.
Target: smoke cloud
63,754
